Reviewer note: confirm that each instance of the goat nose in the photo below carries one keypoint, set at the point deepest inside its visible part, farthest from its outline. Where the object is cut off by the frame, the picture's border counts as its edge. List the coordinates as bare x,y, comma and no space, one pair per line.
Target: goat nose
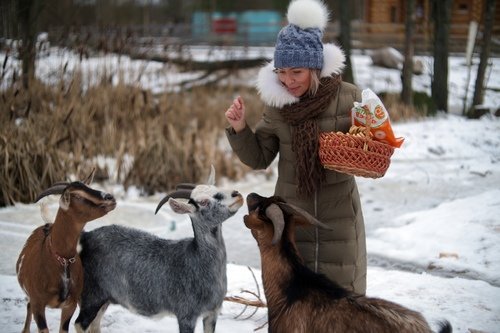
235,194
108,196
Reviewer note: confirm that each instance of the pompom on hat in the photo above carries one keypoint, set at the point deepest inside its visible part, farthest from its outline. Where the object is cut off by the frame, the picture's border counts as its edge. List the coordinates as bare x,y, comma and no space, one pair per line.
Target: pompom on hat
299,43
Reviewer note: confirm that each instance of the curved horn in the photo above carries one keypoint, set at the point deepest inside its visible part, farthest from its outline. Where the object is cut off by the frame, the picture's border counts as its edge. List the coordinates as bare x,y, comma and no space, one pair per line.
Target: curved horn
57,188
185,186
211,177
89,178
184,194
274,213
294,210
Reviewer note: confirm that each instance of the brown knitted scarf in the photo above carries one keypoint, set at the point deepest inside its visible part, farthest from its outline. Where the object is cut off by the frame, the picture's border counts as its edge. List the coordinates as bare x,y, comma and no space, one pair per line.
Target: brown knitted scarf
302,116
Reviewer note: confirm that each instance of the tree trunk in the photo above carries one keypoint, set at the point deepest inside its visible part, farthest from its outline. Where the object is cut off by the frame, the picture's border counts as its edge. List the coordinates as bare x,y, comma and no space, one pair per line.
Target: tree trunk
441,17
489,16
345,39
407,75
8,25
27,14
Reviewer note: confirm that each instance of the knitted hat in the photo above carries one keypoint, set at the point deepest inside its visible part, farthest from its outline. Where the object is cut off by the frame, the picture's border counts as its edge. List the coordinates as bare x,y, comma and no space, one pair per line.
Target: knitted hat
299,43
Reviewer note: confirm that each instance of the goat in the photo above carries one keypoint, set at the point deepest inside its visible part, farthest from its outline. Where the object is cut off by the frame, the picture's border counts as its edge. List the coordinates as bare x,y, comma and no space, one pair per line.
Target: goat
300,300
49,269
153,276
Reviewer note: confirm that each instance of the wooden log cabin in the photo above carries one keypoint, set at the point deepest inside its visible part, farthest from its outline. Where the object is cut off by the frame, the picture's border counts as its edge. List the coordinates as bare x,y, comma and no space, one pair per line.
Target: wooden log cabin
378,23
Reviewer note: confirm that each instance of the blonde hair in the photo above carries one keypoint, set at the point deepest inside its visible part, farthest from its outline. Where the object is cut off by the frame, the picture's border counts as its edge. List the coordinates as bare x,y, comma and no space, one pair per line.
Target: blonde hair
314,85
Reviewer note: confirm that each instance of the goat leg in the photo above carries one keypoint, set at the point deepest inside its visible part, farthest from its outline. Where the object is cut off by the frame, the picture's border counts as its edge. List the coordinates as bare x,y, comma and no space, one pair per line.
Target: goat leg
27,322
209,322
89,320
66,314
95,326
39,316
186,325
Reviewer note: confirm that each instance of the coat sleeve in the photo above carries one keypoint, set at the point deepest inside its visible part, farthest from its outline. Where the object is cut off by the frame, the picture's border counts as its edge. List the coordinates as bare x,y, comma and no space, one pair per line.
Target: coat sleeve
348,94
255,149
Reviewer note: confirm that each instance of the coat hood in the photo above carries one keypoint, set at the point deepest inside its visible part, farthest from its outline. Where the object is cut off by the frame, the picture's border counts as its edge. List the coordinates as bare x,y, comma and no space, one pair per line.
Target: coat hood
274,94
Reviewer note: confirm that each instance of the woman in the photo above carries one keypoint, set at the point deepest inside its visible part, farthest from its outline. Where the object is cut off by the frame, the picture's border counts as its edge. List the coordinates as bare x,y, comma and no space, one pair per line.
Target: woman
305,95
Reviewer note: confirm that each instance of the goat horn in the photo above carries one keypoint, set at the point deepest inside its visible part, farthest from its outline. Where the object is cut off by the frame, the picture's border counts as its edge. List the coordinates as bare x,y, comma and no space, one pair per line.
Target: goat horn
57,188
89,178
185,186
211,177
274,213
184,194
292,209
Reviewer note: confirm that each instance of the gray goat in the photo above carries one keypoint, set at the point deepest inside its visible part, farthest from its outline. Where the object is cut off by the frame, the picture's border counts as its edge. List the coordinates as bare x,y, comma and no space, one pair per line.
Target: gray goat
152,276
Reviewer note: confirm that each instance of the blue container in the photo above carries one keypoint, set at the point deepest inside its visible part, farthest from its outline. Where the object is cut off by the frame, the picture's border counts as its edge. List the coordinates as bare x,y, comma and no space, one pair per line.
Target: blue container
258,27
254,27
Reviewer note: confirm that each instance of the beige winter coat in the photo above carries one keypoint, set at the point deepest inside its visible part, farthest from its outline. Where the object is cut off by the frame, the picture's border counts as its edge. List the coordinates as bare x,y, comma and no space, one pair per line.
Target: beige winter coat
340,254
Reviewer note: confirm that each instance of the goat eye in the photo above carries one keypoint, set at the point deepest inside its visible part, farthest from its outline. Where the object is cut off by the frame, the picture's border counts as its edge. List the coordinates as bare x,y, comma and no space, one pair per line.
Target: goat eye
204,203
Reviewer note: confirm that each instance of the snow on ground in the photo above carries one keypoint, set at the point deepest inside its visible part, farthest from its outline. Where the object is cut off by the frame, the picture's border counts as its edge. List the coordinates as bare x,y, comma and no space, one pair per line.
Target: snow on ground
432,225
433,233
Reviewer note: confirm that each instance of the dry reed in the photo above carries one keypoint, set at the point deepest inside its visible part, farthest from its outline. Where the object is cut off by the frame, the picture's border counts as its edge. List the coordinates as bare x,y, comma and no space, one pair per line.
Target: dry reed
52,133
57,132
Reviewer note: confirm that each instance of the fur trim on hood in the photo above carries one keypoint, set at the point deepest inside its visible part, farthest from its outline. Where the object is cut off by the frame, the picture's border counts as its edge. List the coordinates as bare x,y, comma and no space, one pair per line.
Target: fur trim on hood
274,94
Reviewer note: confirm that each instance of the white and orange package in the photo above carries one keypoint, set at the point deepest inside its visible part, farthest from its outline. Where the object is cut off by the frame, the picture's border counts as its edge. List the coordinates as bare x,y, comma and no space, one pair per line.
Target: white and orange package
380,125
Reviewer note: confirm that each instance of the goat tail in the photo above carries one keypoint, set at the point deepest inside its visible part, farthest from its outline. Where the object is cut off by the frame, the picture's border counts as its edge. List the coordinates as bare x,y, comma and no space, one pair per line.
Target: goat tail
445,327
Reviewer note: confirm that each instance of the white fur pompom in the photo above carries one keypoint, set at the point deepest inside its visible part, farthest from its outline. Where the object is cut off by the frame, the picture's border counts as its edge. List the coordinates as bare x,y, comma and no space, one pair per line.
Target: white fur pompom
308,14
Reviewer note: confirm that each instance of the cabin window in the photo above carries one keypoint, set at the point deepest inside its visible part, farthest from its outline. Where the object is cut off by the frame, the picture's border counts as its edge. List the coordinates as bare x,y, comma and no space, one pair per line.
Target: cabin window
393,14
463,7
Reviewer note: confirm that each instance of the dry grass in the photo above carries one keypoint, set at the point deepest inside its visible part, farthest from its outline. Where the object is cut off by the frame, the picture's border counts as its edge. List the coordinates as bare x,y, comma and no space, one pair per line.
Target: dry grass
54,133
398,111
58,132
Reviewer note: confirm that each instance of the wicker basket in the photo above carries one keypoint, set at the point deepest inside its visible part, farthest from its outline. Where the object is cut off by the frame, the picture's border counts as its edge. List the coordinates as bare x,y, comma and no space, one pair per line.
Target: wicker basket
358,156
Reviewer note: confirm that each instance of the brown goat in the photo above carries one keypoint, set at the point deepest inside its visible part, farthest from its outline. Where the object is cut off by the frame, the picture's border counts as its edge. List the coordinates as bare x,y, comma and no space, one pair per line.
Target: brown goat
301,301
49,269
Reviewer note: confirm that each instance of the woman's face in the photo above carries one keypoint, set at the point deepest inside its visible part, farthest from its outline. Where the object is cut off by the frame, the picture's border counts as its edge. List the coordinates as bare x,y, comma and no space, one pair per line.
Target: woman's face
296,80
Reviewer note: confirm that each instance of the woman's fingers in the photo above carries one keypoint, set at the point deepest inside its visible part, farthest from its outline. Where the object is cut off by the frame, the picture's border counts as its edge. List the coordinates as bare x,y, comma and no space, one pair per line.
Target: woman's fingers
240,101
235,114
231,113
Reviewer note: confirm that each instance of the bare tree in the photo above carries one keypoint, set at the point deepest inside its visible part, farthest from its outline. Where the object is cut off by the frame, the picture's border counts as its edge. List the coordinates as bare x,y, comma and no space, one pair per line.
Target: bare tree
489,18
441,14
345,38
407,74
8,25
28,12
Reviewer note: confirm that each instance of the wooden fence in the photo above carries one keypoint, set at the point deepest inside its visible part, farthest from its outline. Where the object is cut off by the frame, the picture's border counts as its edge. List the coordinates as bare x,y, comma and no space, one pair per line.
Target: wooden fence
373,36
363,36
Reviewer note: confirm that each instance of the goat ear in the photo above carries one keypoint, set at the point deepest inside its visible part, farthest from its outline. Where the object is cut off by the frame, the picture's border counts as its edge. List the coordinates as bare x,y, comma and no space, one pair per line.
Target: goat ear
65,200
180,207
211,178
301,216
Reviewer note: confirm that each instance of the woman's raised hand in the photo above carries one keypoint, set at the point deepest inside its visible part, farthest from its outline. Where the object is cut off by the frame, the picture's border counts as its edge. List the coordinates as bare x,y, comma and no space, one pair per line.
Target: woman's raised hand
235,114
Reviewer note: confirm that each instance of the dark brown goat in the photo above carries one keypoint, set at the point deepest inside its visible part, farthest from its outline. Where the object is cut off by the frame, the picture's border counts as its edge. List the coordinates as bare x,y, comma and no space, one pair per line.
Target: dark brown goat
302,301
49,269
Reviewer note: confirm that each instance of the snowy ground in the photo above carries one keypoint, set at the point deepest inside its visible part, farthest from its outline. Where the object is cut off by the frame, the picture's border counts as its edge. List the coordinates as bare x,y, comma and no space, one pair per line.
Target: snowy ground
433,230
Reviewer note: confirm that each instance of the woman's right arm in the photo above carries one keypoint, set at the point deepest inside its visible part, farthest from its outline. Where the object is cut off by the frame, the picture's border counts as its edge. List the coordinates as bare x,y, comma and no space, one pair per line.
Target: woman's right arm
257,150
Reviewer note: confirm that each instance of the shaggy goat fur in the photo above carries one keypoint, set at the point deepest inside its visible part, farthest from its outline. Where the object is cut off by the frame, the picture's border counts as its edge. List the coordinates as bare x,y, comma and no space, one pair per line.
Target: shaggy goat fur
154,276
302,301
